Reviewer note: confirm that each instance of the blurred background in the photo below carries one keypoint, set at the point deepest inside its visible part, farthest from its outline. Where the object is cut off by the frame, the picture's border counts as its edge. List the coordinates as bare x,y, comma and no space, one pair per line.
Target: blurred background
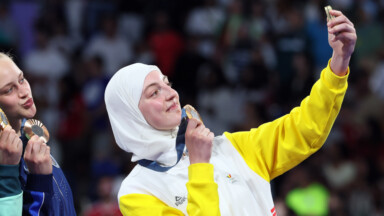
240,63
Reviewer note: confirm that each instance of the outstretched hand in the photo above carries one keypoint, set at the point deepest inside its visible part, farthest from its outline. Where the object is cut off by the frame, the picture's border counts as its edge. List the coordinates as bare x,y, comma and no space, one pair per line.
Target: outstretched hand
342,38
37,156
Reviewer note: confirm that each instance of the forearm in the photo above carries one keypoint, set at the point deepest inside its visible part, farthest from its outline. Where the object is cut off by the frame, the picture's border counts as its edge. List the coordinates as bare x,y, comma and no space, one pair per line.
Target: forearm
307,127
277,146
203,197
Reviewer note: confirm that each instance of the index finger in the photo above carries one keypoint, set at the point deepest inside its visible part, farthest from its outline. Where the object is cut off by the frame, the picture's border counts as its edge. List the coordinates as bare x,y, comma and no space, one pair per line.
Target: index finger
339,18
28,149
30,145
193,123
34,138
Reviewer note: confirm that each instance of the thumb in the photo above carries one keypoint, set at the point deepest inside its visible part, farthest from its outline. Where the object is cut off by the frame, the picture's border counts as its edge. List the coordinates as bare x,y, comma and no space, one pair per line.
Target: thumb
192,124
8,126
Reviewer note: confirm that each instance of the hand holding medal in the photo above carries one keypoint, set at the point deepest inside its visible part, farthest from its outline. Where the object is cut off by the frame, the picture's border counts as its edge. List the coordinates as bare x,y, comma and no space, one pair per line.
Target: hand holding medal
11,147
198,138
10,152
37,154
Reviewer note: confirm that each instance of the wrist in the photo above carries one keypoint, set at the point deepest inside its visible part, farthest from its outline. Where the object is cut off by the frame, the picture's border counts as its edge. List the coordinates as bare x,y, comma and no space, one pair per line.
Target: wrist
198,160
339,64
39,170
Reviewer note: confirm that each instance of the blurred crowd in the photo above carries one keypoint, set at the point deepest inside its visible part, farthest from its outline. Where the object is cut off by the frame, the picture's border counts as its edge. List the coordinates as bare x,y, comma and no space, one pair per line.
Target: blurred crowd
240,63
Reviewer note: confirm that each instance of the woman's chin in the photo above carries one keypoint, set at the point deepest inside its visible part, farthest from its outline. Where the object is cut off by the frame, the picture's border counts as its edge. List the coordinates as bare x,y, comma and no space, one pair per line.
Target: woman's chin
31,112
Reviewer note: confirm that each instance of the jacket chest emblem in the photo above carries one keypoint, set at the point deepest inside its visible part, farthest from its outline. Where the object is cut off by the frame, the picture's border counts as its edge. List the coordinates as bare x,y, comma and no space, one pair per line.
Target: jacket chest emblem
231,178
180,200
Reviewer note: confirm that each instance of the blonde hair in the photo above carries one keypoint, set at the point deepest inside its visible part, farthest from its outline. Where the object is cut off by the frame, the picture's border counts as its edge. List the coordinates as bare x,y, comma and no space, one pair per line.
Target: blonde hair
5,55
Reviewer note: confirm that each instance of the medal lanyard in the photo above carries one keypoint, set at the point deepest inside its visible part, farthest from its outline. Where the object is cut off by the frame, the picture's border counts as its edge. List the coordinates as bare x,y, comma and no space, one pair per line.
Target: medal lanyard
180,145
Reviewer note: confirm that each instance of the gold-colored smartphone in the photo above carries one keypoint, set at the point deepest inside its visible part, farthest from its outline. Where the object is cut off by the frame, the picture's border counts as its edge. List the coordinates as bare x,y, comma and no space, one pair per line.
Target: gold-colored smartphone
327,9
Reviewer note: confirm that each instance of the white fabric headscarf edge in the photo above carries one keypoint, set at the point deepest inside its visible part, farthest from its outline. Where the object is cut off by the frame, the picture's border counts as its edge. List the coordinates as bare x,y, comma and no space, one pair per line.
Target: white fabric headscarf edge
131,131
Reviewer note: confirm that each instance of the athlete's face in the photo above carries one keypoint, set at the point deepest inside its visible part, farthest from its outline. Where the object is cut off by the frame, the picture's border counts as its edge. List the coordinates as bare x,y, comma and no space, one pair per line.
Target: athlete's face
15,92
159,102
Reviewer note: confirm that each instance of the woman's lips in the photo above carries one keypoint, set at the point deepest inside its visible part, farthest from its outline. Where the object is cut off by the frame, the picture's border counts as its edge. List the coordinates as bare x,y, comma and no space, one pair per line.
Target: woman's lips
28,103
173,107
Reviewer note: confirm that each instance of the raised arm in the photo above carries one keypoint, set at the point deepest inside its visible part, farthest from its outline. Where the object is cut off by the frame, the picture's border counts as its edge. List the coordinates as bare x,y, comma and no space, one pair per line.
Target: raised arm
277,146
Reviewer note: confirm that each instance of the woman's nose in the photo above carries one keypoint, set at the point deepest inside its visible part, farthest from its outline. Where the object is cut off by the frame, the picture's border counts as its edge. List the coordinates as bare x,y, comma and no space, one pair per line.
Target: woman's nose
24,91
171,93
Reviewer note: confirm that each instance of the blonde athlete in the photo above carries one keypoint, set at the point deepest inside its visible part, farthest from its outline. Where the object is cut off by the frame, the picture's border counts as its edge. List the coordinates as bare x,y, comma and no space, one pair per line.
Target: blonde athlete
31,182
228,174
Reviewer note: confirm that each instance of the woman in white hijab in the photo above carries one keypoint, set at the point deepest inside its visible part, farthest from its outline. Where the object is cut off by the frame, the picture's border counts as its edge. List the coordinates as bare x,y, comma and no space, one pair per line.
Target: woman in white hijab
184,170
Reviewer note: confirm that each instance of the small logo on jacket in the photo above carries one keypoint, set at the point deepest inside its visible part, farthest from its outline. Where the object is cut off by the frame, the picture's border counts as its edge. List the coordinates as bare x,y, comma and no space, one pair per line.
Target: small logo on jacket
273,211
180,200
231,178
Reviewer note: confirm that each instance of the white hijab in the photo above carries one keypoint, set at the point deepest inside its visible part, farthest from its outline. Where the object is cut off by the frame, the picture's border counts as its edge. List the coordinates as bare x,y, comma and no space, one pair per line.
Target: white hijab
131,130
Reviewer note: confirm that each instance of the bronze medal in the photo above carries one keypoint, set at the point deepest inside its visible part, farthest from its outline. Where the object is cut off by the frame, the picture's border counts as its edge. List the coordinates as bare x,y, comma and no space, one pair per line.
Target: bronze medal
192,113
36,127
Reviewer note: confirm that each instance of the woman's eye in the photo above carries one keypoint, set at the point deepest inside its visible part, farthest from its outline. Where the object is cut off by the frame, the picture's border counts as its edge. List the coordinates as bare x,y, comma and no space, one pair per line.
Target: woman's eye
155,93
21,80
9,90
169,84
